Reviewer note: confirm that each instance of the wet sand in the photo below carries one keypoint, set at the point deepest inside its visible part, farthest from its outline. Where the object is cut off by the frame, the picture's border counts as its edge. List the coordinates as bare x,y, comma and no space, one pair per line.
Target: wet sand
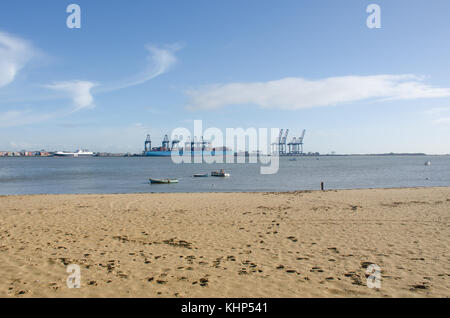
297,244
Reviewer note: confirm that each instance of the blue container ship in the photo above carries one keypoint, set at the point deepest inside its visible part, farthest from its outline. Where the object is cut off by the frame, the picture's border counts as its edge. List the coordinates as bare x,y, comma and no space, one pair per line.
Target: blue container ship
193,148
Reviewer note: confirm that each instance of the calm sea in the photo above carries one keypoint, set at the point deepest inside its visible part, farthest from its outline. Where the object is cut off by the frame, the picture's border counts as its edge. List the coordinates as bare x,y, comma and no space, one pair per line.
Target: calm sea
130,174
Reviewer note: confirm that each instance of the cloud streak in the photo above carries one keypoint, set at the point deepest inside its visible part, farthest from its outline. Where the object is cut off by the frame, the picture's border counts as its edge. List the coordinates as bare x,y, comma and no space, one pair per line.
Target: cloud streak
444,120
300,93
79,91
16,118
437,110
15,53
160,60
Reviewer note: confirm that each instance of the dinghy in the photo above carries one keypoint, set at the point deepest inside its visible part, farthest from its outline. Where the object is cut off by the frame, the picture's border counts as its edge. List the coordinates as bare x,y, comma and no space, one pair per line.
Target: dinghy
200,175
163,181
220,173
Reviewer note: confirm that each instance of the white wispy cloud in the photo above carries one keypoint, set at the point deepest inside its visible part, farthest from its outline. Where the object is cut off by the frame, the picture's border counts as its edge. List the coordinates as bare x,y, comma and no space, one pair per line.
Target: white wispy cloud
14,118
444,120
298,93
79,91
160,60
437,110
15,53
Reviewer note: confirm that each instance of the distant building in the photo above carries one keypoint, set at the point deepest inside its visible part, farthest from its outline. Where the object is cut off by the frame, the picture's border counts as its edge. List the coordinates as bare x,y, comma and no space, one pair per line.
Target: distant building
25,153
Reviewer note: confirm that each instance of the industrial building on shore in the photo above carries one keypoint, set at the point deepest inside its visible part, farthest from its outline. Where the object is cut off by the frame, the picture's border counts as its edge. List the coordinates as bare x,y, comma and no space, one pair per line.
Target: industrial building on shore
23,153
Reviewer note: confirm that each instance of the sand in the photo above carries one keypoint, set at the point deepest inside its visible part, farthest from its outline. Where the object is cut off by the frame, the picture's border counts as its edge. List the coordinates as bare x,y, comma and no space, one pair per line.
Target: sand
298,244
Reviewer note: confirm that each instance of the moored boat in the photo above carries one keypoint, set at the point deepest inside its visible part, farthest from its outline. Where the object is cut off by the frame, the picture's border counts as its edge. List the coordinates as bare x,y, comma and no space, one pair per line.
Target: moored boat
201,175
163,181
220,173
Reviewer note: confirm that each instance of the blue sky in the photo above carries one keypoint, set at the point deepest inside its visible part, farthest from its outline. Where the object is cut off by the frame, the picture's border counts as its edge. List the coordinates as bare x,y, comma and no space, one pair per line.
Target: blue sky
150,66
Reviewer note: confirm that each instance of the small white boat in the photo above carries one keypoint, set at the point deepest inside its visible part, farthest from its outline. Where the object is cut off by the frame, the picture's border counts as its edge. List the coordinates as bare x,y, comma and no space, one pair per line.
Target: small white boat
428,163
220,173
200,175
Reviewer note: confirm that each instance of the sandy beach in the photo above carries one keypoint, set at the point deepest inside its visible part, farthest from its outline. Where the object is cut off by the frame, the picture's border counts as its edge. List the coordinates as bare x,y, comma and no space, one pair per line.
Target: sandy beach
296,244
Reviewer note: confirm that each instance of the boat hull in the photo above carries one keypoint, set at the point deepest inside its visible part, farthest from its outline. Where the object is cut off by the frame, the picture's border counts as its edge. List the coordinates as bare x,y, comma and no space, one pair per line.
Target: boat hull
219,174
158,153
73,155
163,181
194,153
201,175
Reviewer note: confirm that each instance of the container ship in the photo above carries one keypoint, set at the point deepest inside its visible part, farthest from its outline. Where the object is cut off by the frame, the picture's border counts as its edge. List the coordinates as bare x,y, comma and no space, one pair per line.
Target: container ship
193,148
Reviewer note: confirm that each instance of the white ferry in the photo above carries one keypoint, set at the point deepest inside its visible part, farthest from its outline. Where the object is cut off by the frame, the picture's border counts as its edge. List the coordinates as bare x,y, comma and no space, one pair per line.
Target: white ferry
78,153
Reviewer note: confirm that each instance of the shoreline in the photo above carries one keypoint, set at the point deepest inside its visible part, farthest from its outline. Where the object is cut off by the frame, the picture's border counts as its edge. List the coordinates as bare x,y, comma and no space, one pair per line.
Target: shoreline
120,155
308,243
230,192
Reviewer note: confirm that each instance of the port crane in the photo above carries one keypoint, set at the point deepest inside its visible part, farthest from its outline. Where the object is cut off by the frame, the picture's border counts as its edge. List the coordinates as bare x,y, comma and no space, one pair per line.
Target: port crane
283,142
276,149
175,142
296,145
166,142
148,144
300,141
280,145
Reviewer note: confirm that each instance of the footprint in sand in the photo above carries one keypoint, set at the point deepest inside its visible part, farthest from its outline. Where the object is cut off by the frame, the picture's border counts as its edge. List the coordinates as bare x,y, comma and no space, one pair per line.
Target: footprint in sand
22,292
366,264
356,279
421,286
203,282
